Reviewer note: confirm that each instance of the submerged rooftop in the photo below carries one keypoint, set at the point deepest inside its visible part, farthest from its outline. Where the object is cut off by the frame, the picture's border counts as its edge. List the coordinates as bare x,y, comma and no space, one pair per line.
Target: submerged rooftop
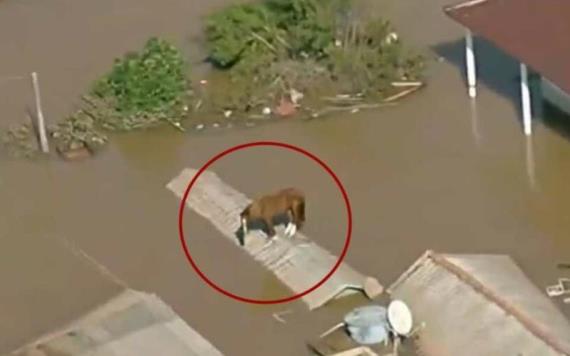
535,32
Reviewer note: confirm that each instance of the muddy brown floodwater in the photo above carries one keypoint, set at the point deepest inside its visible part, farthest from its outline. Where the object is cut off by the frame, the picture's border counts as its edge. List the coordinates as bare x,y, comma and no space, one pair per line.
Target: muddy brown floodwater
435,172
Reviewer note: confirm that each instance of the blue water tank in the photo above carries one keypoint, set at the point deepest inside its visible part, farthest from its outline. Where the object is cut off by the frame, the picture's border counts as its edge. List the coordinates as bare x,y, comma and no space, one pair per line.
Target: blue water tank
367,325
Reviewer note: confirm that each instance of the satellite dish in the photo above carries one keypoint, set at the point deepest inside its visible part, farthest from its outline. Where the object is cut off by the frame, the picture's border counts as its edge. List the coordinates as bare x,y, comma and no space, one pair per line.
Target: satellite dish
400,317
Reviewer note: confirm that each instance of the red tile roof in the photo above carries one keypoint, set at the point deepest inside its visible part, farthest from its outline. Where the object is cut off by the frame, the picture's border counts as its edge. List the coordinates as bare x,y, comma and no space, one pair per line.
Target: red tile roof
536,32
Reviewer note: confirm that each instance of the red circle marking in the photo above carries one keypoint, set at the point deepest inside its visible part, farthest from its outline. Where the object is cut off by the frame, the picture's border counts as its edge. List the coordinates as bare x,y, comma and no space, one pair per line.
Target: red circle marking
253,144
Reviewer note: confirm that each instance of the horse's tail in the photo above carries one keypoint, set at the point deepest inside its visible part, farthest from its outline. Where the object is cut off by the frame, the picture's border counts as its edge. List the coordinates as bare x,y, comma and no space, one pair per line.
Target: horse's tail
299,206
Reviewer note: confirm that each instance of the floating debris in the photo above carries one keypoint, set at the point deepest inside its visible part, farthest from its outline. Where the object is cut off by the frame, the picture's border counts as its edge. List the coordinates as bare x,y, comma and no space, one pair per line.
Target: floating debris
407,84
215,125
199,127
402,93
391,38
278,316
177,125
563,287
296,96
198,105
286,108
266,111
227,113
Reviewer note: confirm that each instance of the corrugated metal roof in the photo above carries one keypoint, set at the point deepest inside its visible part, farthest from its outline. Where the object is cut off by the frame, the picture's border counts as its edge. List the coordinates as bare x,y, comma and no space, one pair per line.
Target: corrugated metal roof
480,305
536,32
299,263
132,324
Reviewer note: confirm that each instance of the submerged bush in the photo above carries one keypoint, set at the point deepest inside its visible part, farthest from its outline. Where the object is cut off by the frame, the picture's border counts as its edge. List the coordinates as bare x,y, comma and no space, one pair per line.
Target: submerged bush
310,25
77,131
20,141
258,44
278,27
152,82
371,58
238,30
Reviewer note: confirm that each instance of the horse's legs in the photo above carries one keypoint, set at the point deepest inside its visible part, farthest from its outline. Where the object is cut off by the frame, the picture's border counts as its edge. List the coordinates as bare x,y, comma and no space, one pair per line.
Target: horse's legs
244,225
300,214
270,229
294,213
293,230
290,223
288,229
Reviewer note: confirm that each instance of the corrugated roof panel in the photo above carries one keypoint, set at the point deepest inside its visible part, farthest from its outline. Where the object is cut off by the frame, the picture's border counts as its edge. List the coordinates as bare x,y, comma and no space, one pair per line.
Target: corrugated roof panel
131,324
465,318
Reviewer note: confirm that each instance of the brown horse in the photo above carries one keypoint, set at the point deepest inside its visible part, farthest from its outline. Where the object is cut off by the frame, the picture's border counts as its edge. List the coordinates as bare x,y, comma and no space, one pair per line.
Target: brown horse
289,201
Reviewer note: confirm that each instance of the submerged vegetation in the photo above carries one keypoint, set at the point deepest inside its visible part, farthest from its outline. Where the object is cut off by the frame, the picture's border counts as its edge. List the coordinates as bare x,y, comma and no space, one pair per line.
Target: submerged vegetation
313,46
20,141
143,88
266,58
78,131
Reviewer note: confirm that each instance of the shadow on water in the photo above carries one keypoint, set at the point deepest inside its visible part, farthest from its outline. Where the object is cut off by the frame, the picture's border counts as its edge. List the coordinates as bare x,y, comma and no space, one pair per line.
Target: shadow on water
495,70
556,120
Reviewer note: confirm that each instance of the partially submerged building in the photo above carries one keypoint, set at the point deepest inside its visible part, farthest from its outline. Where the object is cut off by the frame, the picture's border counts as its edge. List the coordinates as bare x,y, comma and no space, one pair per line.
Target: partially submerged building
534,32
480,305
131,324
299,263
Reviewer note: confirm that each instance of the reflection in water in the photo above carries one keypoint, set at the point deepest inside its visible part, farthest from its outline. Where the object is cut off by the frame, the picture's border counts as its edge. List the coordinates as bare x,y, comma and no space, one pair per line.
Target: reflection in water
475,122
530,166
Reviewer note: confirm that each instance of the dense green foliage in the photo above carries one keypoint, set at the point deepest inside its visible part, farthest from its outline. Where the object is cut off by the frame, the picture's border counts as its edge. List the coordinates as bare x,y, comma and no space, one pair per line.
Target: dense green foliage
237,31
309,25
272,45
150,82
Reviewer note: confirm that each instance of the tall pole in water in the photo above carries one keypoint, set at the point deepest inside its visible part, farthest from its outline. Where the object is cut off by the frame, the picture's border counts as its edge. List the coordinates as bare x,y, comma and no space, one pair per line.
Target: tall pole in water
40,115
525,100
470,63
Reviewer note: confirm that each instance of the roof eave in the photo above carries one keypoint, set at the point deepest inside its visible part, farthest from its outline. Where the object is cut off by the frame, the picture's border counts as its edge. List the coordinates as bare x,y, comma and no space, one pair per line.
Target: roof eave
462,4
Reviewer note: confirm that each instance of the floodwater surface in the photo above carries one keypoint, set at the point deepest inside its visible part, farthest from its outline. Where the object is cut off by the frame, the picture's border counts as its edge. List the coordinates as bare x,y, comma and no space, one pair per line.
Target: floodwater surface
435,172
